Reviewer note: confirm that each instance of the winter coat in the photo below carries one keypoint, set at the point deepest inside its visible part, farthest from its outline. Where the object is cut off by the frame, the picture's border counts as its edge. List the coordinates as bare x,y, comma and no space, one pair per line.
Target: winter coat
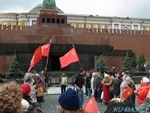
132,97
88,82
28,99
92,86
123,86
117,83
98,82
142,92
110,83
94,82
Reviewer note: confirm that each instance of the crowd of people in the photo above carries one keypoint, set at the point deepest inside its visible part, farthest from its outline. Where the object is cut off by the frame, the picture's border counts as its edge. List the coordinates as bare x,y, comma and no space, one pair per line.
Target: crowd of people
112,85
116,89
109,86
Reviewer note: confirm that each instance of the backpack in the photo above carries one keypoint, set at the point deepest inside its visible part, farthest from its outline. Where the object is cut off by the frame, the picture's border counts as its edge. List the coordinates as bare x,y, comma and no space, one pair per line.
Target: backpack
40,92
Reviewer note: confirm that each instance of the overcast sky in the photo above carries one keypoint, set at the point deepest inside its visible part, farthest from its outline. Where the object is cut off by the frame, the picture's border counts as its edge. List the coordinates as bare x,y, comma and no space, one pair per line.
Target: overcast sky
121,8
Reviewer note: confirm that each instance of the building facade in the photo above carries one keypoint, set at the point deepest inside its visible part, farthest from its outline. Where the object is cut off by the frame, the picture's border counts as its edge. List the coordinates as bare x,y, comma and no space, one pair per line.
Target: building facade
77,20
91,35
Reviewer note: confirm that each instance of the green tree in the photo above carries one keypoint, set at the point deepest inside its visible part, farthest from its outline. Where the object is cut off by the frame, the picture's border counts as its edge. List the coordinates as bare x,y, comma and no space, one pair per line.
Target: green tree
127,63
14,70
100,65
147,68
134,61
141,62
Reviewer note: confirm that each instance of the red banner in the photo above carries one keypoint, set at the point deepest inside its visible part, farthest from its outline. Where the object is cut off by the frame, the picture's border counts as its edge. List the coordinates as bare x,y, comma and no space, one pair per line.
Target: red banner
69,58
91,106
45,50
36,58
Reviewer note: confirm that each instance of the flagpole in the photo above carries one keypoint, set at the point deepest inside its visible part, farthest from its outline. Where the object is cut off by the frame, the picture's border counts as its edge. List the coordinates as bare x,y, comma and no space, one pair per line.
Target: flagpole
47,58
78,57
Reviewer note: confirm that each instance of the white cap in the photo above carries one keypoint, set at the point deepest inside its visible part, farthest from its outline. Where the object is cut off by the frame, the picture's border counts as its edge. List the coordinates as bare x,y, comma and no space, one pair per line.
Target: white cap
94,73
25,105
106,75
145,80
37,75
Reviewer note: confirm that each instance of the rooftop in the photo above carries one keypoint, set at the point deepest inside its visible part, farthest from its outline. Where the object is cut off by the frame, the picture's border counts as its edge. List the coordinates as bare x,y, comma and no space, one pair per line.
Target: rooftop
38,7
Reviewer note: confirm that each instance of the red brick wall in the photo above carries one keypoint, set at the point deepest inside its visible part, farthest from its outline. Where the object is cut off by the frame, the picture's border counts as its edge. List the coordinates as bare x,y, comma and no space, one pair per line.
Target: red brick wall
5,63
64,34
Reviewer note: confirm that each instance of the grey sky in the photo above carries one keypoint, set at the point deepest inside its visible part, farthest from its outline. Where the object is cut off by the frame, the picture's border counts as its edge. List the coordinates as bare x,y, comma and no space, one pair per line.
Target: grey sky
121,8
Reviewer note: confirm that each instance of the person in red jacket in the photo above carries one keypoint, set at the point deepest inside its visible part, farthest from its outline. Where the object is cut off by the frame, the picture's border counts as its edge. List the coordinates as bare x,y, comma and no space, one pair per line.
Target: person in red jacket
143,90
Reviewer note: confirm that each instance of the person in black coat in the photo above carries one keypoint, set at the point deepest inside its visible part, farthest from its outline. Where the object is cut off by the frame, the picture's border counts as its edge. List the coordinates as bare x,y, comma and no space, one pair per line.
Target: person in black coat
88,84
99,87
117,82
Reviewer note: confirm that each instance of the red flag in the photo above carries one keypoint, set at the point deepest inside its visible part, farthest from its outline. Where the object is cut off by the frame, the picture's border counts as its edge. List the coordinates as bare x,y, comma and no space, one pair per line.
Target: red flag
69,58
91,106
36,58
45,50
128,92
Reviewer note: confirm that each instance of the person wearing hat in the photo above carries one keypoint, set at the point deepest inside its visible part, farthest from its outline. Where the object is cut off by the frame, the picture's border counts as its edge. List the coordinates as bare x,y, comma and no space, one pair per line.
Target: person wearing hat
28,78
27,108
26,92
143,90
69,102
25,105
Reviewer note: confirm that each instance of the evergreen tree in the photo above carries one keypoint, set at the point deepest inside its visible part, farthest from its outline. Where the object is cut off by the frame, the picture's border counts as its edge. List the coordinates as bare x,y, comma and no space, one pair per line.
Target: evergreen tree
14,70
141,62
134,61
100,65
147,68
127,63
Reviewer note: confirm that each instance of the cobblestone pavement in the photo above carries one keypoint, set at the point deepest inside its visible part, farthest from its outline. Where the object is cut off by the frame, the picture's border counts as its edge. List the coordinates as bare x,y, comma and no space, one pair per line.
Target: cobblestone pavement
51,103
